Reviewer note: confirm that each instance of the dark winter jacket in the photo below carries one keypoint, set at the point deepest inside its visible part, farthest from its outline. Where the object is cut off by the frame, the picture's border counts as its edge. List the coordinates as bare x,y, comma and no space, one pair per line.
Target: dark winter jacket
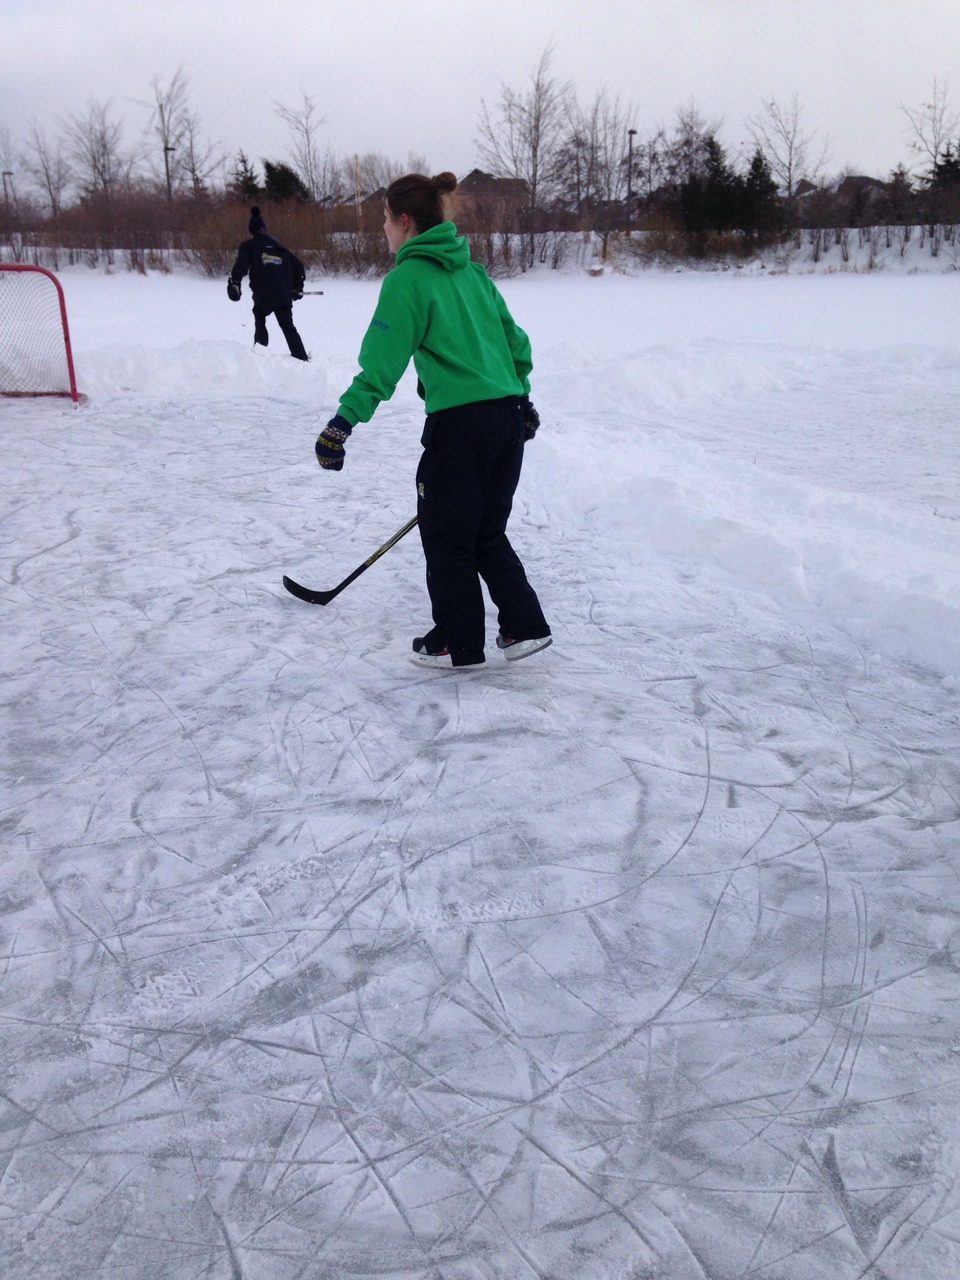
443,310
276,274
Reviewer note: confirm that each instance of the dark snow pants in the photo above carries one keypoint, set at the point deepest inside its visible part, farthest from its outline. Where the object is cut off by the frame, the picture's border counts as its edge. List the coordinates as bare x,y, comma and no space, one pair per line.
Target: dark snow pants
284,315
466,480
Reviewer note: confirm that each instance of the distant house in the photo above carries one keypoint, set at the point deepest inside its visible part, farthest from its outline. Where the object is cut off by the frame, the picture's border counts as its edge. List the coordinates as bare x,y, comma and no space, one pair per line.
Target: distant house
855,200
854,188
857,188
482,198
479,184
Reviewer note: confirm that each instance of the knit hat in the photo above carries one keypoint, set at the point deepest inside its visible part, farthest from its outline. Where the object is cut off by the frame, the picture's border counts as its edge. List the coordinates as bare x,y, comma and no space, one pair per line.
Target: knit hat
256,224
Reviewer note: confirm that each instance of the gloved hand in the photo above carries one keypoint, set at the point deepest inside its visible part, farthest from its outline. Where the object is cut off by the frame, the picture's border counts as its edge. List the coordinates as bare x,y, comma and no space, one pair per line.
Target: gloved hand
233,289
531,419
330,442
297,295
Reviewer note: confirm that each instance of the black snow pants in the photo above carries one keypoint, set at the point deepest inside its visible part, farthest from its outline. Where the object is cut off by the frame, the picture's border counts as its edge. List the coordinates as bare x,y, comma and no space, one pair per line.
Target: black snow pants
466,480
284,315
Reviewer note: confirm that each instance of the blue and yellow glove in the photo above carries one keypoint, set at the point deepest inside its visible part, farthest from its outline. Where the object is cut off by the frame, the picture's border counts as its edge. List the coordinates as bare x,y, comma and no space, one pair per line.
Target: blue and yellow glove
531,419
330,442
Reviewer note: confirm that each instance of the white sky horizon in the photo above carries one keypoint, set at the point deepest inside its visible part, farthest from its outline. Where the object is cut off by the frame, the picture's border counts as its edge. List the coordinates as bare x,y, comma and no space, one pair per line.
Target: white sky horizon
401,80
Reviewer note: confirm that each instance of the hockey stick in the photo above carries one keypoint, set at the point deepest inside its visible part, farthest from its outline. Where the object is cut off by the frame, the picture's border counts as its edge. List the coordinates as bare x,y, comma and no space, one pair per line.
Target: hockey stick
324,597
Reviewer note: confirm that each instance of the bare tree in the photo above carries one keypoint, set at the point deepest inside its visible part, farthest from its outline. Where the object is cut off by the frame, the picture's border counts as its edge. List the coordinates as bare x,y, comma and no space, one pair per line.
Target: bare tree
593,162
199,158
304,122
522,138
334,183
7,162
610,123
46,164
374,171
575,168
650,163
94,141
933,126
186,158
168,124
8,151
686,152
791,153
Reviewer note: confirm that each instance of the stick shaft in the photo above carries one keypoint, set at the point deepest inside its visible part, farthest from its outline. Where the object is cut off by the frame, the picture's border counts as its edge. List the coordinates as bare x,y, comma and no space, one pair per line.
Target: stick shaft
388,544
324,597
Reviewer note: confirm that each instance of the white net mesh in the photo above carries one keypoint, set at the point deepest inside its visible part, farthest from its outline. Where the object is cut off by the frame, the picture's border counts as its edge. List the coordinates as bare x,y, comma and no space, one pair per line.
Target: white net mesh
33,339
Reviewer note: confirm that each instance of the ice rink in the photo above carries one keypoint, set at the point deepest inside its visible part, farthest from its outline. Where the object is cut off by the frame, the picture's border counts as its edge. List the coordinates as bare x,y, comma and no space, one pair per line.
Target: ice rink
636,960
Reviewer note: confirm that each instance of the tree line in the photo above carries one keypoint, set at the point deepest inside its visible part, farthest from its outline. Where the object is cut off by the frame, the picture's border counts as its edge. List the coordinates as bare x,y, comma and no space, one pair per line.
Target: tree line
549,164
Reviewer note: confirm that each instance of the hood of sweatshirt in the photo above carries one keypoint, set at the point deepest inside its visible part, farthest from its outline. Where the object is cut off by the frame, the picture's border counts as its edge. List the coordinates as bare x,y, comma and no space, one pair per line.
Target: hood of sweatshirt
441,244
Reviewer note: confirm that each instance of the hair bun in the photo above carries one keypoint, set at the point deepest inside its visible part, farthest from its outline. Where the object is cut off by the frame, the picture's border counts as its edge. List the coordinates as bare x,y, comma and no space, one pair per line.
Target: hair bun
444,182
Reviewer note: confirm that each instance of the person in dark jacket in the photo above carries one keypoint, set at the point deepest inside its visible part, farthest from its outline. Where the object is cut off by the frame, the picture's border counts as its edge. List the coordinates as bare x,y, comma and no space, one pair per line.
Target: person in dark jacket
276,281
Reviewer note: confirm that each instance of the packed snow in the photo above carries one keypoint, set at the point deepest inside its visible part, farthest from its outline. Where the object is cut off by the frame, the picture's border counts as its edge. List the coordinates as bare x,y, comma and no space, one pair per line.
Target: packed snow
635,960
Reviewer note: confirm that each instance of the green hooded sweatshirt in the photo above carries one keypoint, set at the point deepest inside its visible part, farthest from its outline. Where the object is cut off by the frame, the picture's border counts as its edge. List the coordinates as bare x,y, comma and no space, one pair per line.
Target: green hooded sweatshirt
443,310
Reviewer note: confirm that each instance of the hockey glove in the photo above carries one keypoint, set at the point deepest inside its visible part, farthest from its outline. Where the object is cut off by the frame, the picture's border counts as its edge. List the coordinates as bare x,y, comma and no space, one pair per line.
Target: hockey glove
297,295
330,442
233,289
531,419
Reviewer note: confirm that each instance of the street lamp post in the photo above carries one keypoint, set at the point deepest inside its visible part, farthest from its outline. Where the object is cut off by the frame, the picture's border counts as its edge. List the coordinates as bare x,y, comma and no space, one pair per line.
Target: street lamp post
631,133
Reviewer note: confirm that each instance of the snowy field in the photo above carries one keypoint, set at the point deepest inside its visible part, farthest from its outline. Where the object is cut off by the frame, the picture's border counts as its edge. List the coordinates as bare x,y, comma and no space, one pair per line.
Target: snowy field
636,960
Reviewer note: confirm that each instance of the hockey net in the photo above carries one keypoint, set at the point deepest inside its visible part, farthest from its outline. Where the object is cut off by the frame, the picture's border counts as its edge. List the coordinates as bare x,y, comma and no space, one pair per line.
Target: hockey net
35,354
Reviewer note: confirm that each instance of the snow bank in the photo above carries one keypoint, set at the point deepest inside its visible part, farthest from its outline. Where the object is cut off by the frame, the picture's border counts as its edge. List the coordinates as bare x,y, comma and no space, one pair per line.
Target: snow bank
199,368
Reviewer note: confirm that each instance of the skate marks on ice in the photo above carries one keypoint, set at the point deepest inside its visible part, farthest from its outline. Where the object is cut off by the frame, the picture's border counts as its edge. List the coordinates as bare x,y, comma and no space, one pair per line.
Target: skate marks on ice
635,959
666,1016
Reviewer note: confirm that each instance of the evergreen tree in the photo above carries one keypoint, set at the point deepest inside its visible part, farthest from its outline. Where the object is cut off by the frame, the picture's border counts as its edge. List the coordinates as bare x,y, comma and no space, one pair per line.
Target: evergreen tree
244,182
723,188
760,209
693,205
710,197
899,204
281,182
946,170
943,194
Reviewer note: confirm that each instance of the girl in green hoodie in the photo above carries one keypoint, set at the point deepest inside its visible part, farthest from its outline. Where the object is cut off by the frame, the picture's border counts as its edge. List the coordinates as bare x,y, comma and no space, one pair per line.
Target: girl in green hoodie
473,366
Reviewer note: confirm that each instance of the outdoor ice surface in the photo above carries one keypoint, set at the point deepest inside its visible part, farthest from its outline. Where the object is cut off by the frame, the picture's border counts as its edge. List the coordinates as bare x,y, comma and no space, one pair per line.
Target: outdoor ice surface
637,959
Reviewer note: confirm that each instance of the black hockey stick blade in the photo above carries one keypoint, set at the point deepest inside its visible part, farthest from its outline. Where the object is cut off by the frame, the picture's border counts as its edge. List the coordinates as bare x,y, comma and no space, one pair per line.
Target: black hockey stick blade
324,597
307,593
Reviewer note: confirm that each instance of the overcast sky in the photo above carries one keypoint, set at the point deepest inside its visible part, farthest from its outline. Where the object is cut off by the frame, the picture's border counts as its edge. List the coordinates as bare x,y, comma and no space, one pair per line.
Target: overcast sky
408,76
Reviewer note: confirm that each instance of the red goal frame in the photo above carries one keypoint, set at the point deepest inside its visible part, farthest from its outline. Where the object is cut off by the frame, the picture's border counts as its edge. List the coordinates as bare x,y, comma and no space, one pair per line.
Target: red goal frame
72,391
